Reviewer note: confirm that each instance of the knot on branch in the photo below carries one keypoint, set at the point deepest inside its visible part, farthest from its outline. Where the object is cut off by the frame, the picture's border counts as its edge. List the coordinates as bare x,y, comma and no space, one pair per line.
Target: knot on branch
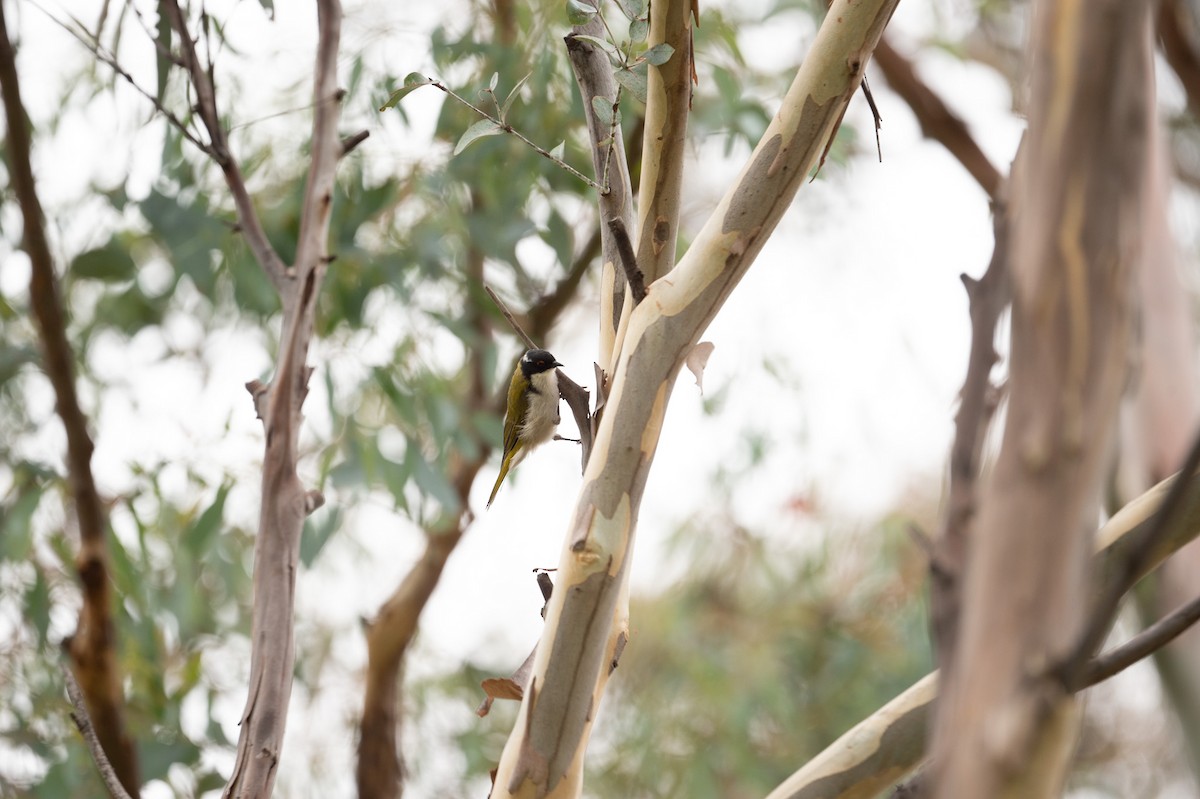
312,500
259,392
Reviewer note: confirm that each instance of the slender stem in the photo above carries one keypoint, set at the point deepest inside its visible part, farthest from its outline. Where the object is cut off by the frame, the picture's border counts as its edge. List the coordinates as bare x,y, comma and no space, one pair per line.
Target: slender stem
507,128
83,721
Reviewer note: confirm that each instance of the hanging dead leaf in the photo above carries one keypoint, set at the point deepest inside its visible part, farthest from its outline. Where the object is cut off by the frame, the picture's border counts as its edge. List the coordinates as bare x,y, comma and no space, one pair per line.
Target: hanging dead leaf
697,359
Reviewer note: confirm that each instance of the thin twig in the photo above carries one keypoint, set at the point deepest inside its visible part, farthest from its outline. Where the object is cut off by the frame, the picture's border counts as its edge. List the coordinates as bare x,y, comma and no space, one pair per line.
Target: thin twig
1147,642
637,281
218,150
507,128
80,716
107,58
350,142
511,319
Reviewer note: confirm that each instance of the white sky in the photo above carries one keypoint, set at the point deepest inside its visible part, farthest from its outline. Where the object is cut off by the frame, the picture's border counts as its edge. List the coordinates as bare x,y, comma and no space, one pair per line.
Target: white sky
857,296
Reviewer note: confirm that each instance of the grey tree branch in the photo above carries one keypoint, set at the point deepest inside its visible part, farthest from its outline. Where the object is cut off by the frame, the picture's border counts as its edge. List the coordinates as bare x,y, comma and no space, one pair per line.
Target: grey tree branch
285,502
593,73
1145,643
629,261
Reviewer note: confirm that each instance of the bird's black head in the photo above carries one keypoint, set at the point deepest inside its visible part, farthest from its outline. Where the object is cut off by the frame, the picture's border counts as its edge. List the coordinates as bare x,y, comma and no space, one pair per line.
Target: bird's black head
537,361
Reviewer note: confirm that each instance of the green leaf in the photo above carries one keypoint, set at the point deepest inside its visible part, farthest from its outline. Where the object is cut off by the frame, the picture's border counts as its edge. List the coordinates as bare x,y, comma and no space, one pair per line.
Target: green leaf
494,82
162,62
659,54
110,262
635,9
13,359
481,129
318,529
596,40
198,537
430,481
602,107
579,12
639,29
512,96
414,80
633,81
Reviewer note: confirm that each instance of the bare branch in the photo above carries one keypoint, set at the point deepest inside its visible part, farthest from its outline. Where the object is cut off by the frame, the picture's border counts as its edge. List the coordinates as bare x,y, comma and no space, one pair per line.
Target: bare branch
1143,550
936,119
92,647
1177,35
285,502
350,142
629,261
1145,643
987,298
511,319
83,722
256,237
105,57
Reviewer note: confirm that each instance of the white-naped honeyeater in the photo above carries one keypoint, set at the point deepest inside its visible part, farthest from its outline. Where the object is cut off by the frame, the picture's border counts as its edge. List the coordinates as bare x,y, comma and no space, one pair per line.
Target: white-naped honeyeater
532,413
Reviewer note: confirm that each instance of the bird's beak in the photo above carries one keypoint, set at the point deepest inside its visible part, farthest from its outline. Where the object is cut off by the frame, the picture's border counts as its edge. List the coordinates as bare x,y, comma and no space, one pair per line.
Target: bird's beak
556,363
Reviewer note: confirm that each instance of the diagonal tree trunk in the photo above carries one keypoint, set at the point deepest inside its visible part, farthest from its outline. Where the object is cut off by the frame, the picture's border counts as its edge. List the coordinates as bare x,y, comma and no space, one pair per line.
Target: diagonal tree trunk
544,754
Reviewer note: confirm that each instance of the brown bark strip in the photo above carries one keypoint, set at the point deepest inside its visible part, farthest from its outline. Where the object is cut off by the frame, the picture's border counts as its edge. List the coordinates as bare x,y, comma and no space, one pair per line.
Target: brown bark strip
668,102
92,647
1177,34
937,120
1006,726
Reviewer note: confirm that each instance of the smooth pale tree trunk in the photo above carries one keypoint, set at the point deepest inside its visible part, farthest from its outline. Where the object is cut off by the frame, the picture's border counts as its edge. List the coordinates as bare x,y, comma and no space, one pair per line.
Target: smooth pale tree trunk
1006,726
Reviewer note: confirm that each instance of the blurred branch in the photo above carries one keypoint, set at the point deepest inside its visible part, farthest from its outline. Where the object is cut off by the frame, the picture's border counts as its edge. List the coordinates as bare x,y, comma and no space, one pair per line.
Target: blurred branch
936,119
79,715
92,647
987,299
1145,643
895,735
218,149
1146,548
1177,35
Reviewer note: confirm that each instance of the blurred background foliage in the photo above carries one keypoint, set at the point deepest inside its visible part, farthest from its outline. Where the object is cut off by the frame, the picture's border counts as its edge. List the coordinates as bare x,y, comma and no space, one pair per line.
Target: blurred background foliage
749,658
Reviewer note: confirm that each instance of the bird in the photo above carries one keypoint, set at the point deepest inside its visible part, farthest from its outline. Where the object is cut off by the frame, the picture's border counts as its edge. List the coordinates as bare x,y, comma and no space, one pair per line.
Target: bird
532,413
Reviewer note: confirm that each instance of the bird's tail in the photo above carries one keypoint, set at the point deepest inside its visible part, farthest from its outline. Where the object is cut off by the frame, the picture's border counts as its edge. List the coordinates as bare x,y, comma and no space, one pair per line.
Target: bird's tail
504,467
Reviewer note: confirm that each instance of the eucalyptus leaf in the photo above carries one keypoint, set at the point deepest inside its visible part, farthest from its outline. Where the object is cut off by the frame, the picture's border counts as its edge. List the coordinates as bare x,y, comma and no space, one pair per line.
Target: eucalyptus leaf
482,128
579,12
414,80
639,29
513,95
633,81
659,54
602,107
